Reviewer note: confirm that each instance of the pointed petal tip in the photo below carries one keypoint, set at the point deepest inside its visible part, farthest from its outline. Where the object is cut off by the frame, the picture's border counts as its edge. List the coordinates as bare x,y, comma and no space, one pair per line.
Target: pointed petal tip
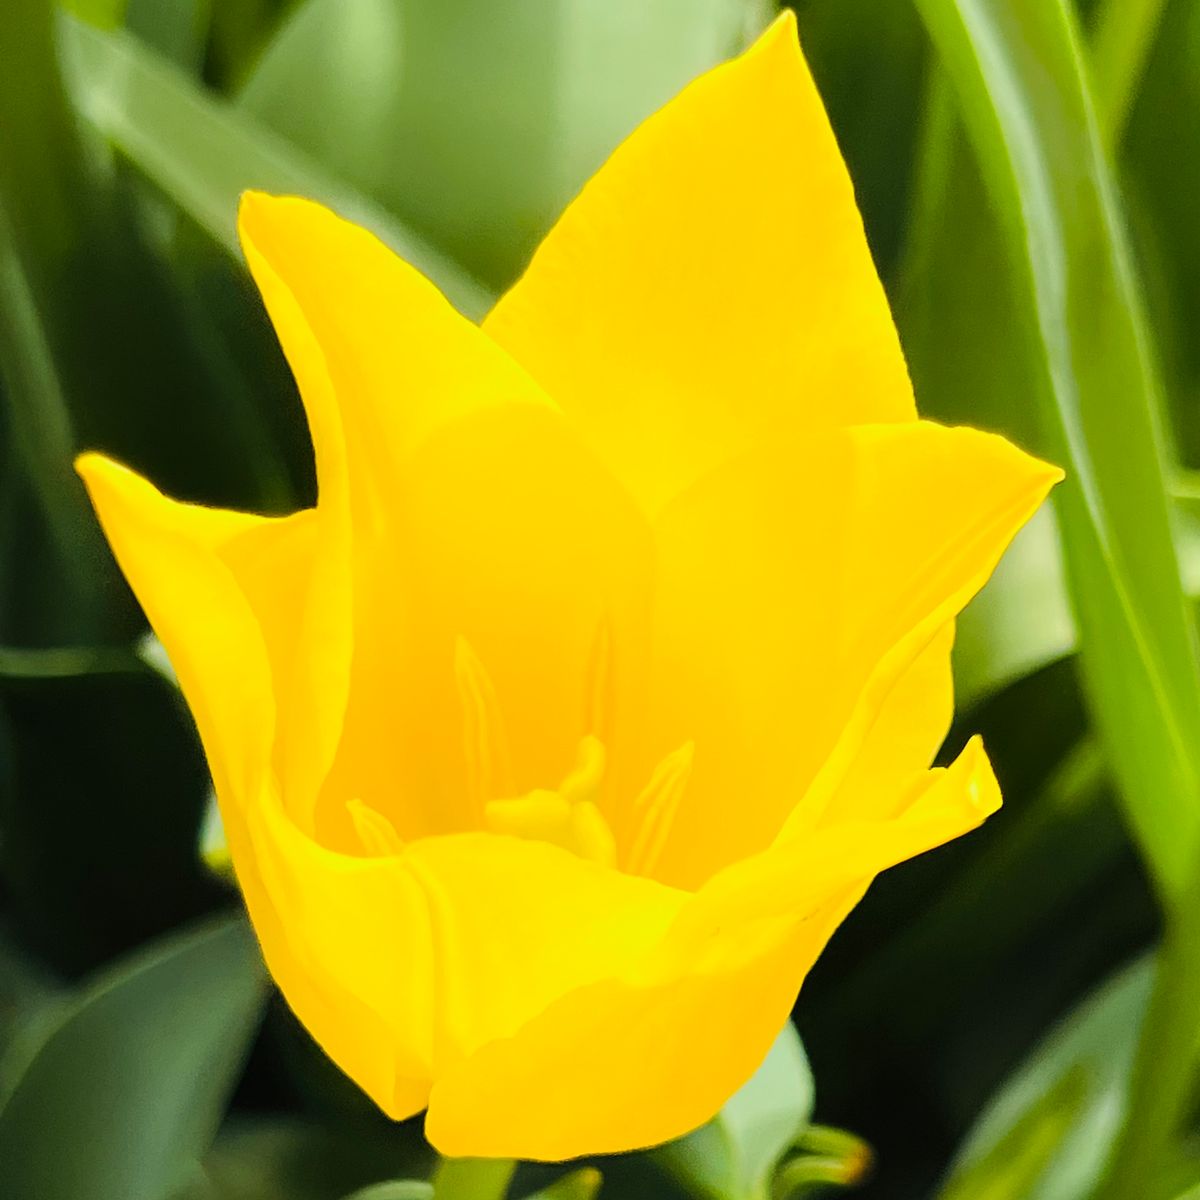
99,471
254,210
781,37
254,203
87,464
783,26
259,213
981,787
1045,477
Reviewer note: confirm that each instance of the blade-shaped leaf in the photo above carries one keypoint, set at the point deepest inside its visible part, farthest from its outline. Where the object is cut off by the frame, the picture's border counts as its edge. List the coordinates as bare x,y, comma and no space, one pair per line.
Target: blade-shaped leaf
1049,1130
116,1095
203,153
1023,89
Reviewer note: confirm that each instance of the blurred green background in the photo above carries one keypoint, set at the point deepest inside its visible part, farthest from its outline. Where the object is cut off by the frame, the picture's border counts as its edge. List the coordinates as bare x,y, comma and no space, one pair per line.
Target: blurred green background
1016,1015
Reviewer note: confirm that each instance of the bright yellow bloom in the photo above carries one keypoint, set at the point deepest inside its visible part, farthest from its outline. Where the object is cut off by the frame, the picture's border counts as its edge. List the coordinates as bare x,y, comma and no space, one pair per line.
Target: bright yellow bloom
554,743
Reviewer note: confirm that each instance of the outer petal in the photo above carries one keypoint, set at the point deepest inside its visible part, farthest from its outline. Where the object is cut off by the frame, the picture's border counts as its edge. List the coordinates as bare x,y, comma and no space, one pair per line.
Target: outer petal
177,558
785,580
633,1061
171,556
451,943
712,283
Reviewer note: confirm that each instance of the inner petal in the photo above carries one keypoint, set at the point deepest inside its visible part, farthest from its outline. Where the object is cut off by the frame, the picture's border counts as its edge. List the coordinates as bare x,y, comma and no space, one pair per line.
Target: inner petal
502,542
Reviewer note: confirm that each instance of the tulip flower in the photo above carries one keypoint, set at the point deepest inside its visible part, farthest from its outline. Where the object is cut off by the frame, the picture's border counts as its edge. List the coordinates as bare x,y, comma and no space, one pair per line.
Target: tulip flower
557,739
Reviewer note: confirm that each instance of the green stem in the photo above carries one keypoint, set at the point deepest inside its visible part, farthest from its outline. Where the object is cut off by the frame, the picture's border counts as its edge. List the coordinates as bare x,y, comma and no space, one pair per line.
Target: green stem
1123,37
473,1178
1164,1068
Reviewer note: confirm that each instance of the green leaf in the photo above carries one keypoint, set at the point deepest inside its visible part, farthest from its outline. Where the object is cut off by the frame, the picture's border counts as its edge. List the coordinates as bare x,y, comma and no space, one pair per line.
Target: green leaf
734,1155
68,662
475,121
65,586
290,1158
203,153
1049,1130
40,425
578,1185
396,1189
1161,175
1023,90
119,1094
104,14
1125,33
176,29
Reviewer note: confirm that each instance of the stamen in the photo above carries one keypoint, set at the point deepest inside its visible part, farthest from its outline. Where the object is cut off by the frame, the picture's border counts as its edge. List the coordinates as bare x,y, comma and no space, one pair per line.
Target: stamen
598,684
657,806
377,834
489,773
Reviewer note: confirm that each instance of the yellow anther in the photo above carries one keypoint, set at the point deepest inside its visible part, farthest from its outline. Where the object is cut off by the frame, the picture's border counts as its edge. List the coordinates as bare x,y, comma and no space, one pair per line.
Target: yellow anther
568,817
376,833
656,807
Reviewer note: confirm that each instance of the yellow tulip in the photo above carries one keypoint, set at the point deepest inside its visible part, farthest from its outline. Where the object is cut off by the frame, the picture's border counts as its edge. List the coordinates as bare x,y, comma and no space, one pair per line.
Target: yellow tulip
555,742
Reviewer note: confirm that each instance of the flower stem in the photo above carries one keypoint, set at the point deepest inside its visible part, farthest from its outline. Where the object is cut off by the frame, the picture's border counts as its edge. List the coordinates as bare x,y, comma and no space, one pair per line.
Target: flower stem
473,1178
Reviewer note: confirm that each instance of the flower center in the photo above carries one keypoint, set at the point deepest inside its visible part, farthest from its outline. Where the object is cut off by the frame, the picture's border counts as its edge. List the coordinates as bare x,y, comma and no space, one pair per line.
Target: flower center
568,815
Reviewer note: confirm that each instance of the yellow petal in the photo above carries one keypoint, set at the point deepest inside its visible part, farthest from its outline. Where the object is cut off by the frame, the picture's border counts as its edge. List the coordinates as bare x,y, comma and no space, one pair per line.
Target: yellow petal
635,1060
712,283
175,558
450,942
381,357
785,579
171,555
908,715
622,1064
804,868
